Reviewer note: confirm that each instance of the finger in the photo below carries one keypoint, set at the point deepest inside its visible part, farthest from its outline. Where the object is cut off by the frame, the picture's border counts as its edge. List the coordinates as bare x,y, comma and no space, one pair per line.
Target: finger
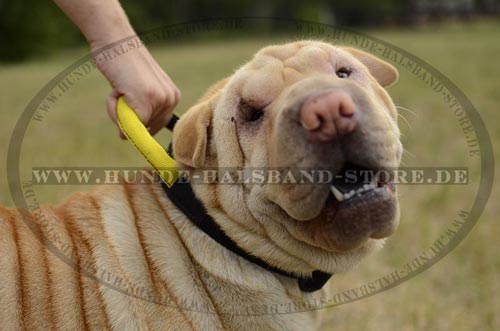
159,122
177,96
111,104
111,101
168,85
156,127
141,107
172,100
163,110
174,92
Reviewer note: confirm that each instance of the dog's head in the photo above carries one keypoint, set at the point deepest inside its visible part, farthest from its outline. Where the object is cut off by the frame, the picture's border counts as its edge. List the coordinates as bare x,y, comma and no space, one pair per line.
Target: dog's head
299,107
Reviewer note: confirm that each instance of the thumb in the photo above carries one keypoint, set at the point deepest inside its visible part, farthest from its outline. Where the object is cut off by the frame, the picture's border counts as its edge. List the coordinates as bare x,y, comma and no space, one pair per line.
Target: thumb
111,103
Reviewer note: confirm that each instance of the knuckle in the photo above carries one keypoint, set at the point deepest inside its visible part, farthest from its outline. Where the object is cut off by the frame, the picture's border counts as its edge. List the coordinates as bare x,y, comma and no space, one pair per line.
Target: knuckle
169,99
177,95
151,93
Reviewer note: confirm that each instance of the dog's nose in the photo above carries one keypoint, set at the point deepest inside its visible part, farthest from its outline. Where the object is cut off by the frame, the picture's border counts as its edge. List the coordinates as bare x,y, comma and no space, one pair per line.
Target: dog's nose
329,115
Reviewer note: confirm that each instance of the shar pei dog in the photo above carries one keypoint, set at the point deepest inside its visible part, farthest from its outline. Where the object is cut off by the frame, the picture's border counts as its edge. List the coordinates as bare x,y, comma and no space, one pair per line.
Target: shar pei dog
125,257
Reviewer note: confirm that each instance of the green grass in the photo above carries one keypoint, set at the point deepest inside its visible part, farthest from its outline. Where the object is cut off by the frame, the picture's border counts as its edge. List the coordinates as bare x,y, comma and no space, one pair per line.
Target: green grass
461,292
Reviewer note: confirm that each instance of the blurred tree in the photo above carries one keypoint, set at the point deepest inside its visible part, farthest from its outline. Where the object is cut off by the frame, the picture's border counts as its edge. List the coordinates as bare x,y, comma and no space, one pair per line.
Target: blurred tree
366,12
488,6
33,27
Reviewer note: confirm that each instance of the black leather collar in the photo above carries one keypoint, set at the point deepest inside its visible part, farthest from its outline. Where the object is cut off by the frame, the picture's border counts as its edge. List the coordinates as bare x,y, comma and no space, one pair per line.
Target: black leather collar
182,195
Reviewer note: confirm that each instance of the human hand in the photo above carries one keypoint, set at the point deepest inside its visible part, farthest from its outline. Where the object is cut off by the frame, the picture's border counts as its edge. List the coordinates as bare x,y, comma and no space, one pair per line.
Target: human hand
146,88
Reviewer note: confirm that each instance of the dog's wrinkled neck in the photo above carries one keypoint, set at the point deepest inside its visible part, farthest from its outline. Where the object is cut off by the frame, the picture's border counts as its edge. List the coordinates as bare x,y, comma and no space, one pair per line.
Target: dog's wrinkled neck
183,196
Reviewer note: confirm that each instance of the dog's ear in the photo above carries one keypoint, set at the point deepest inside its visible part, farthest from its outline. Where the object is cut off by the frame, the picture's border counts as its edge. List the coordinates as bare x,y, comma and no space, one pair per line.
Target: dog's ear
191,132
384,73
191,135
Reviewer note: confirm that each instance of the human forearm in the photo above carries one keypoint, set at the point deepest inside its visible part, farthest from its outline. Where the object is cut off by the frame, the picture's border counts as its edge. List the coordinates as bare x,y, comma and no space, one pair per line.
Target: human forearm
135,75
101,21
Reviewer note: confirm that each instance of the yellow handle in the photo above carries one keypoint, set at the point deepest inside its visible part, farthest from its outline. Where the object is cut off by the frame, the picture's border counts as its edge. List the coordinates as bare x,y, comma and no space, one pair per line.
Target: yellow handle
140,137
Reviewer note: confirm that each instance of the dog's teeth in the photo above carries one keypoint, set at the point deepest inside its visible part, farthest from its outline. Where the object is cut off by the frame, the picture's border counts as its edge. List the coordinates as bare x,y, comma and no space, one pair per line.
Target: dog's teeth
336,193
342,197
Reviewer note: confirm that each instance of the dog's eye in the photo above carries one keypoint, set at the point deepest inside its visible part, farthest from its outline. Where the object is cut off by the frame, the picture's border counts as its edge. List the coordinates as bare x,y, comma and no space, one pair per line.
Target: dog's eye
250,113
343,72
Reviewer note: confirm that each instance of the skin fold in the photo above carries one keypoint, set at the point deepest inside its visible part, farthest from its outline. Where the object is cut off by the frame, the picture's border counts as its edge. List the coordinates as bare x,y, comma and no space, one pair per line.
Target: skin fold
135,262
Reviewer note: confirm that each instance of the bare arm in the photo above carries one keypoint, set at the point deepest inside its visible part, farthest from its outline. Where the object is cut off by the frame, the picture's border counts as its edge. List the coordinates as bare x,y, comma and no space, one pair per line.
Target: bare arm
100,21
135,75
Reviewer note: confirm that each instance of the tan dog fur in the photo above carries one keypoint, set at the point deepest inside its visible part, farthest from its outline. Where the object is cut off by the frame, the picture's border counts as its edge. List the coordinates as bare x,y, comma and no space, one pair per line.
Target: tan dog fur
133,239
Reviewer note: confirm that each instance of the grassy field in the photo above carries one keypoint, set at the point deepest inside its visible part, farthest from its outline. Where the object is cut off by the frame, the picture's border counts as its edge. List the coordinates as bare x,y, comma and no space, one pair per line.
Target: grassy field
461,292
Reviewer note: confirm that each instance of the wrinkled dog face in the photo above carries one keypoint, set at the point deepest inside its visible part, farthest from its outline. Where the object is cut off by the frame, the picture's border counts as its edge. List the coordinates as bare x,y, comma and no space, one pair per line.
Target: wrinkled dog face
303,106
